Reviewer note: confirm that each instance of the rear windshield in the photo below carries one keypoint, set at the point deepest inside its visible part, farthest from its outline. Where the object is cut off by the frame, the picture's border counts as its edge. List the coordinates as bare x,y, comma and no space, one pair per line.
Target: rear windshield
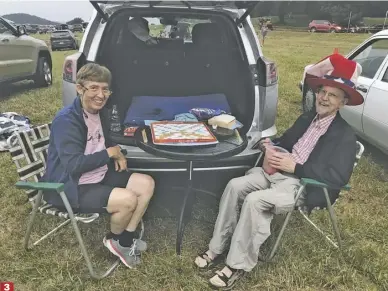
159,28
60,33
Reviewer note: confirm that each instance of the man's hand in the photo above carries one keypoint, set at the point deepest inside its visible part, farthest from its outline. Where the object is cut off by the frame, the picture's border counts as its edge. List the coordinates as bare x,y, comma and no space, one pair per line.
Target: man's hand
283,162
120,164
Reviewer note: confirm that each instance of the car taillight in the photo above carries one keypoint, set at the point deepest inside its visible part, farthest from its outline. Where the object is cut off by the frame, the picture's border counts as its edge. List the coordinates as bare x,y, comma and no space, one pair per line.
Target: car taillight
69,71
272,74
267,70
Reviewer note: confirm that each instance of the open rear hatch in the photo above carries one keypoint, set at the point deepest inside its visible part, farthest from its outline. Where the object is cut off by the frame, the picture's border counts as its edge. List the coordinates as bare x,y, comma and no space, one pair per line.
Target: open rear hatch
102,7
165,81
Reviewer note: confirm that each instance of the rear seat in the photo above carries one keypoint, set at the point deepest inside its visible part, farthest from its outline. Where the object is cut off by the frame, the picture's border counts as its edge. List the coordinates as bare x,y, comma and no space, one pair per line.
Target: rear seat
205,59
172,68
153,68
157,67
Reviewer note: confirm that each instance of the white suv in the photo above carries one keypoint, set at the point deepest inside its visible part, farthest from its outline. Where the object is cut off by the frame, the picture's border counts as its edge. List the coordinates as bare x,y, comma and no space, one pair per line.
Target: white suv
221,63
369,120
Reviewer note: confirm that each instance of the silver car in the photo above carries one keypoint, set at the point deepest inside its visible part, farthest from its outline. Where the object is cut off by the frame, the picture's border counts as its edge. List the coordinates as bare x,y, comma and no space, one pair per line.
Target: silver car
370,119
23,57
197,65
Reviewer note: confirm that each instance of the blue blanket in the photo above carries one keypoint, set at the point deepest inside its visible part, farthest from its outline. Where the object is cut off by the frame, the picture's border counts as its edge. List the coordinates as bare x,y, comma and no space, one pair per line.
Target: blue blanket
165,108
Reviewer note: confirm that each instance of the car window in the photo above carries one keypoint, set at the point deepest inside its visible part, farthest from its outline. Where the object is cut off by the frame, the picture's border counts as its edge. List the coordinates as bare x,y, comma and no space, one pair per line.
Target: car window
371,57
179,28
4,29
60,34
385,77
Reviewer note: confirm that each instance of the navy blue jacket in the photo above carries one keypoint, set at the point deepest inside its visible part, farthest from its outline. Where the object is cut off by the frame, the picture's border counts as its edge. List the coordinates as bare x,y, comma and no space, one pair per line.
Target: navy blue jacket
66,161
331,160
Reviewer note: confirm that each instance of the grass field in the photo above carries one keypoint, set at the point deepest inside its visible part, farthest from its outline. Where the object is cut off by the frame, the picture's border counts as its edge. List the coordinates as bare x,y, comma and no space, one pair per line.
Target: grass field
304,262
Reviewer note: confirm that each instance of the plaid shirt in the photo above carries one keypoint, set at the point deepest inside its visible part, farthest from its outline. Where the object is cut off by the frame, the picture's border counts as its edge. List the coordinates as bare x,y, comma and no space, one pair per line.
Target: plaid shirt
305,145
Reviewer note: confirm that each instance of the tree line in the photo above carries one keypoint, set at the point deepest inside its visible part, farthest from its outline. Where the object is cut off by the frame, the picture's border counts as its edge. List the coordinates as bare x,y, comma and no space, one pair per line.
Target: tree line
337,11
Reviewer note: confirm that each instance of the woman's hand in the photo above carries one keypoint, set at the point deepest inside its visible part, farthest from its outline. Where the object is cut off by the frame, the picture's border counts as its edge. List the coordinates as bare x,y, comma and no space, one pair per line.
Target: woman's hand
120,164
283,162
114,152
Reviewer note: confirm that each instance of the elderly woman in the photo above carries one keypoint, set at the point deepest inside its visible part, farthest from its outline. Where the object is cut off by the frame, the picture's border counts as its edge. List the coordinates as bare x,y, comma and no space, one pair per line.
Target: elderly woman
93,170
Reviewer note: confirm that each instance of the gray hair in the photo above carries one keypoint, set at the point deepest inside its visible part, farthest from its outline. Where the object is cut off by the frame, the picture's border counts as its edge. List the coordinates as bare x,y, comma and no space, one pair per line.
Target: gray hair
95,73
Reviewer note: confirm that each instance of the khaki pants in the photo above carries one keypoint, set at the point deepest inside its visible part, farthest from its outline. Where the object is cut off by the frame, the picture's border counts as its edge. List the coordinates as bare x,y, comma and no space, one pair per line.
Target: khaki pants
263,196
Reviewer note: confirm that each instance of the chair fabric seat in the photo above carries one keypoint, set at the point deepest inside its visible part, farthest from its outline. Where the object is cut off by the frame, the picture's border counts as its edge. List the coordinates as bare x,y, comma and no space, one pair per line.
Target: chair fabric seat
47,208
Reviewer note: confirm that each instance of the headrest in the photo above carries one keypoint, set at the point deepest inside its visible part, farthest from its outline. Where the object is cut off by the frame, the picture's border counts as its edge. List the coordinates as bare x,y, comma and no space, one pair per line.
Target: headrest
206,34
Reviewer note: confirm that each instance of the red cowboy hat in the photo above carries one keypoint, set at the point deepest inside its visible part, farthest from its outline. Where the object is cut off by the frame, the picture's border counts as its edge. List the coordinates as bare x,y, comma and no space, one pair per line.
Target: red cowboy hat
339,72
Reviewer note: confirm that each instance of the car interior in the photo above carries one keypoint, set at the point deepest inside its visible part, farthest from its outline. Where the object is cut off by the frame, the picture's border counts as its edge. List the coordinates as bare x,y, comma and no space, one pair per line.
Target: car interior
156,76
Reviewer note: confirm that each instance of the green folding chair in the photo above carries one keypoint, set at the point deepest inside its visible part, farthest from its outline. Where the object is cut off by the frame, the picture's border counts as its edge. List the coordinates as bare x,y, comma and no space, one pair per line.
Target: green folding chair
29,153
329,206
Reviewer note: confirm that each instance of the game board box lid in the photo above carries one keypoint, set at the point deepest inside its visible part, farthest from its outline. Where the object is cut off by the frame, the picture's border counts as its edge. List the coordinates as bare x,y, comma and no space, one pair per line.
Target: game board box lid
180,133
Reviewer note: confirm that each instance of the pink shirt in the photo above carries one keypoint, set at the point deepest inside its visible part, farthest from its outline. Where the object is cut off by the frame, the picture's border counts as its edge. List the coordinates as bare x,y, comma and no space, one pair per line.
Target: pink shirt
95,143
305,145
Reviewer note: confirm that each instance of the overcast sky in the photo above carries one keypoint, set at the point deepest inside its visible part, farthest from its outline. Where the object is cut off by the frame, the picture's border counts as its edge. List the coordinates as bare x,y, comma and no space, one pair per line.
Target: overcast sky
54,10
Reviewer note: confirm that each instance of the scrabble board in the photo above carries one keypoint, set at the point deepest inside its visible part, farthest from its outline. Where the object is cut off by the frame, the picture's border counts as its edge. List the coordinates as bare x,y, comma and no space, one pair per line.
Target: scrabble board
181,133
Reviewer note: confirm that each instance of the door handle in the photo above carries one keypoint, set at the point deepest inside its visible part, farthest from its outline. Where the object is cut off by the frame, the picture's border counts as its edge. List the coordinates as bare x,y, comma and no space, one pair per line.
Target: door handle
5,40
362,89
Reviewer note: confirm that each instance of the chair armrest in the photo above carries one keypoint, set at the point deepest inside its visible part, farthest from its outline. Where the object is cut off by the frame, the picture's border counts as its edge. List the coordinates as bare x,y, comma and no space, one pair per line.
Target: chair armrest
307,181
40,186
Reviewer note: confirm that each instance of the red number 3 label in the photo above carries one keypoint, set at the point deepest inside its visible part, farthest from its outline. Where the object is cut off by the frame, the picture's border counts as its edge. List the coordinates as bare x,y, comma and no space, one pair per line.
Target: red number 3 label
6,286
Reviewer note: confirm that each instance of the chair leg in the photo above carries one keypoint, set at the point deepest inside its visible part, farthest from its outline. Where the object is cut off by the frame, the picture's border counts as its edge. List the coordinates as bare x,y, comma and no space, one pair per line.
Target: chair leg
275,247
34,211
66,222
285,223
333,218
82,245
317,228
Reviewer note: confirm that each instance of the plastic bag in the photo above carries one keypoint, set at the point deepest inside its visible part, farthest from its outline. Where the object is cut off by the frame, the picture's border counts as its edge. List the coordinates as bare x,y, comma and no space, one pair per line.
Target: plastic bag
206,113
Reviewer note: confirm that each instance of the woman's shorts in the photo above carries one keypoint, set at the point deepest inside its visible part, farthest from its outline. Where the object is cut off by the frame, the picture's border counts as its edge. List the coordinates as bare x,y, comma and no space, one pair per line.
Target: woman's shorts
93,198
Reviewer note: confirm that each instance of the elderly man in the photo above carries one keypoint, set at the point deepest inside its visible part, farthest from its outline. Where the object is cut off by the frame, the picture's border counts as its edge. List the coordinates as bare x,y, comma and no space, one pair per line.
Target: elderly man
321,146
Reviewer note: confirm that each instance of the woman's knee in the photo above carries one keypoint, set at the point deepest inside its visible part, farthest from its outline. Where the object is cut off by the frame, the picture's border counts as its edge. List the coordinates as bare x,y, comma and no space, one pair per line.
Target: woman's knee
122,199
129,200
145,184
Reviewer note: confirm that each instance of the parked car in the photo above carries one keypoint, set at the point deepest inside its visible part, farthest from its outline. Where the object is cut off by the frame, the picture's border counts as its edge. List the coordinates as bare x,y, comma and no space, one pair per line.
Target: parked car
224,58
77,28
376,28
63,39
323,26
369,120
43,29
62,27
23,57
31,29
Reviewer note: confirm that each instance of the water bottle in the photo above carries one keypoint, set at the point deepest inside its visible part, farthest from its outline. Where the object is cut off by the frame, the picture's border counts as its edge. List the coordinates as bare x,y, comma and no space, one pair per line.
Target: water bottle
115,125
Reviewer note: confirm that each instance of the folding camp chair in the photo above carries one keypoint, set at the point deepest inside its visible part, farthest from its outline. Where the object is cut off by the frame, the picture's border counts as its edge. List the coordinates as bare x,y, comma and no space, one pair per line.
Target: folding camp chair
29,153
304,182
